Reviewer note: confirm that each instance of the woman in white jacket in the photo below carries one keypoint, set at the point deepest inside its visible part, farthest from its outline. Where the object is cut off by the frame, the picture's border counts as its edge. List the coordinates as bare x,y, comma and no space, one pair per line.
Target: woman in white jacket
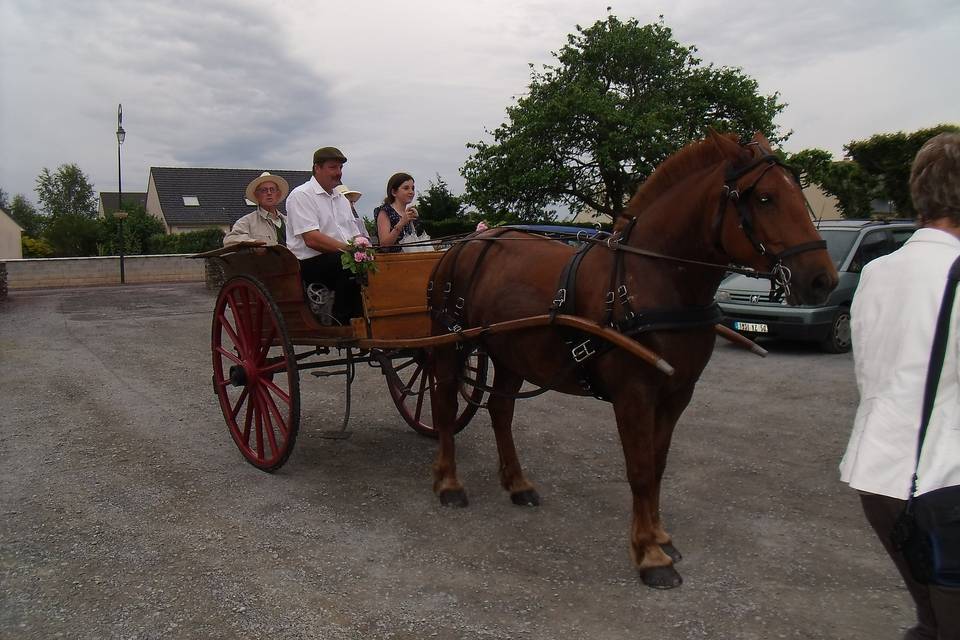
894,315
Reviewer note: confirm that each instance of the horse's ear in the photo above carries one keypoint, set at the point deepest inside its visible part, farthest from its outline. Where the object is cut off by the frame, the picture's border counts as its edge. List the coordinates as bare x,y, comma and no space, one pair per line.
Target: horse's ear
725,144
762,141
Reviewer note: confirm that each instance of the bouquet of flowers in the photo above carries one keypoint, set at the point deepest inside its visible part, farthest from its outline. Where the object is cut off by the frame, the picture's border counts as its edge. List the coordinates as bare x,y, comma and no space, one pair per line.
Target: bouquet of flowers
358,258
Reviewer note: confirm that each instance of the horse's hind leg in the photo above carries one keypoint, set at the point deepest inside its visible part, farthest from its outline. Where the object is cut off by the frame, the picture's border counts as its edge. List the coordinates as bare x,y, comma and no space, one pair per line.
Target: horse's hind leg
636,423
506,383
444,407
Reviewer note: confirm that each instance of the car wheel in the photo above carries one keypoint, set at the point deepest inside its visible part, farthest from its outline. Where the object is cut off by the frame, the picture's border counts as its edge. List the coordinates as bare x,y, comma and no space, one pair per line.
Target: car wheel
838,340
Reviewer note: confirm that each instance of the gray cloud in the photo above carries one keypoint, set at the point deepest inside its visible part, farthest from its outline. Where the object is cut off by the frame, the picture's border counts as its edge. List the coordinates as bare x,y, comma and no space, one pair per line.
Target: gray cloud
406,86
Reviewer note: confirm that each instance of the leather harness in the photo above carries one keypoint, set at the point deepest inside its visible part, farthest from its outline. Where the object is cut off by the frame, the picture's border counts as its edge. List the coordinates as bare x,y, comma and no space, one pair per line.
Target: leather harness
584,347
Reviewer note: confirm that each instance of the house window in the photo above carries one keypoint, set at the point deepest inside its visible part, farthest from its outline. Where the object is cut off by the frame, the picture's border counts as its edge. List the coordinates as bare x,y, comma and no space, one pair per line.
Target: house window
191,201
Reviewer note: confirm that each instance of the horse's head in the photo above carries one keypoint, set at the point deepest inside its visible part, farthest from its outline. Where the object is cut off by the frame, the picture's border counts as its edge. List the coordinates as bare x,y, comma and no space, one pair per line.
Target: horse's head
763,222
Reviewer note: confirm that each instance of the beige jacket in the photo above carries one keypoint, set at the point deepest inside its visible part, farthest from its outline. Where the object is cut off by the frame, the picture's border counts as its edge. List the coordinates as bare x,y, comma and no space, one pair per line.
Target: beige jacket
256,225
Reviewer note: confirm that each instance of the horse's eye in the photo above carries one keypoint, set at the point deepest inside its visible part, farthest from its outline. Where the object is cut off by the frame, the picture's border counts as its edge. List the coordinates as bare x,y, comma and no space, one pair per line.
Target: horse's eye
764,198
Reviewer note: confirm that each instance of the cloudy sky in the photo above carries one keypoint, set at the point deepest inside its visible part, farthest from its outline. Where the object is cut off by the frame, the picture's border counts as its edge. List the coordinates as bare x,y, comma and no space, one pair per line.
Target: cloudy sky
405,85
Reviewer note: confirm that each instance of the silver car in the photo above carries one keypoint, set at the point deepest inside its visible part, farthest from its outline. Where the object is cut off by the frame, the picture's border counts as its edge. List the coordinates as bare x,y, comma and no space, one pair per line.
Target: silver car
748,308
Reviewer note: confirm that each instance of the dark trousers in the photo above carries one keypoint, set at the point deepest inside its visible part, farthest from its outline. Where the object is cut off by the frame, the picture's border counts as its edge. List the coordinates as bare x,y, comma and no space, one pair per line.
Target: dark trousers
327,269
938,608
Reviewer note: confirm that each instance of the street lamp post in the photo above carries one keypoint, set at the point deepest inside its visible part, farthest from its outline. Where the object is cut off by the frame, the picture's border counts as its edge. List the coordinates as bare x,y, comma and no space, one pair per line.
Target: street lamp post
120,214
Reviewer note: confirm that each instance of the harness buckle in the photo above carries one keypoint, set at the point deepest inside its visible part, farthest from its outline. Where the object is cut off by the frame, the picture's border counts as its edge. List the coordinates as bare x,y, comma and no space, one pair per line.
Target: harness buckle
622,291
610,298
561,298
582,351
459,304
430,286
448,287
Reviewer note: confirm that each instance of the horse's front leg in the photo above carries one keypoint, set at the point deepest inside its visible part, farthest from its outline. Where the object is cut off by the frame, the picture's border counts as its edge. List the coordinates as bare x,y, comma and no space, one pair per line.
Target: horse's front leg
636,422
668,413
506,384
443,399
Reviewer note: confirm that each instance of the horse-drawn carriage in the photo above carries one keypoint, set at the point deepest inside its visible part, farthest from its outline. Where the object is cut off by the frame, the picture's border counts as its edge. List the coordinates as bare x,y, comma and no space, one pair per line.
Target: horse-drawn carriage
629,318
264,334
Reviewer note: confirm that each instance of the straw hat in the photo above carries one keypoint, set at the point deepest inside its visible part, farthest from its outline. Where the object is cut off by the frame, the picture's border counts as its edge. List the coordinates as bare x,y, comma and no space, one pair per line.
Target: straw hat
266,176
348,193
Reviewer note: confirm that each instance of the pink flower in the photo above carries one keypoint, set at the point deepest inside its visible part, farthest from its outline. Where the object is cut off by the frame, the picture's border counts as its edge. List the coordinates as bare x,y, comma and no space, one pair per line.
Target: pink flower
482,226
361,242
359,256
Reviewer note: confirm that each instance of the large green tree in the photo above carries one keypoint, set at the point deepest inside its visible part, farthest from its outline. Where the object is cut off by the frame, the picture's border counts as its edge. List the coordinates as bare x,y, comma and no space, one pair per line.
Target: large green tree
437,202
846,180
877,168
887,157
67,191
621,98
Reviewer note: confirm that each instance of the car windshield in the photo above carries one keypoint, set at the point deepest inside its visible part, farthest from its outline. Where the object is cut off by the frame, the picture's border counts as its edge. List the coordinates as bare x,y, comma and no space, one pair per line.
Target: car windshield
839,242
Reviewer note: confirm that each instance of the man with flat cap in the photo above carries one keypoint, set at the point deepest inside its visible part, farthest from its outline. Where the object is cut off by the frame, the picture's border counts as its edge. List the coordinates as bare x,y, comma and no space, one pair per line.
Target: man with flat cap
319,225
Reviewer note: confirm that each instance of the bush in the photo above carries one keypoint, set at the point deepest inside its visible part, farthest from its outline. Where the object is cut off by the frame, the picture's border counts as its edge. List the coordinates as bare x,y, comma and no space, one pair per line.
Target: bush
35,247
190,242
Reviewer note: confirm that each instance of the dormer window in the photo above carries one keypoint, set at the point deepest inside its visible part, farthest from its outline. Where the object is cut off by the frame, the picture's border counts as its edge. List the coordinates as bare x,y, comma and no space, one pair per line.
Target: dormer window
191,201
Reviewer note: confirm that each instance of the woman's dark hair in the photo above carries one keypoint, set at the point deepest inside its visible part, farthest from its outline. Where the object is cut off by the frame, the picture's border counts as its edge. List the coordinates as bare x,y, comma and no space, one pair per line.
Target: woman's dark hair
394,183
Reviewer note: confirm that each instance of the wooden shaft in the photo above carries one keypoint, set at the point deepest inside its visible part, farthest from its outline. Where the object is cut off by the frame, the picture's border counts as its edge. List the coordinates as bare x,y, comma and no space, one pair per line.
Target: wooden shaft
740,340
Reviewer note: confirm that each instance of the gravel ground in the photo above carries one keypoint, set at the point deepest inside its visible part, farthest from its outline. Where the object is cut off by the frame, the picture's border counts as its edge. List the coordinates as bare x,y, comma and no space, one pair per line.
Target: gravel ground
127,511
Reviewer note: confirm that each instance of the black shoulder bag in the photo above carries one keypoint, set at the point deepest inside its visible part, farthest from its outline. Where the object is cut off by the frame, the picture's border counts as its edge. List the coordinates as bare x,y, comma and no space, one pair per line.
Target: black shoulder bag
928,530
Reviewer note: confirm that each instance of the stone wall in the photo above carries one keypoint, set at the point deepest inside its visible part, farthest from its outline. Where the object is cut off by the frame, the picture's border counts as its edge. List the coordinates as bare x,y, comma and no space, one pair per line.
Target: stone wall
38,273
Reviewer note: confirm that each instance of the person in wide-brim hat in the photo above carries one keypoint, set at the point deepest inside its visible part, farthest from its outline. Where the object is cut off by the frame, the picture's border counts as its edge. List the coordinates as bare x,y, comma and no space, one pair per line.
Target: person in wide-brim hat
349,193
266,176
264,225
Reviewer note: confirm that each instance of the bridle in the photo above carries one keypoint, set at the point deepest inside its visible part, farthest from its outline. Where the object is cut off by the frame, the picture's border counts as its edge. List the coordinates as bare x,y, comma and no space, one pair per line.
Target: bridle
779,273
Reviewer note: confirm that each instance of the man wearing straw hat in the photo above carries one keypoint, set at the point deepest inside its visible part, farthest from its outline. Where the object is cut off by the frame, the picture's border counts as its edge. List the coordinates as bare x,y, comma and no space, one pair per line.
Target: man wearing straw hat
265,225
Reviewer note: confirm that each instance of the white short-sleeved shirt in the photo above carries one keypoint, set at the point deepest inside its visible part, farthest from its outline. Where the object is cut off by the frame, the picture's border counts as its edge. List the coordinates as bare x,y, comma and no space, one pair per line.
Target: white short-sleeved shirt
310,208
894,315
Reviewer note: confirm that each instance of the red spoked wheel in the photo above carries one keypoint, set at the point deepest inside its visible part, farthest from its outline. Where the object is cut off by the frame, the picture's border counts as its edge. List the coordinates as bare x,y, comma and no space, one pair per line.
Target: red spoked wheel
255,373
414,383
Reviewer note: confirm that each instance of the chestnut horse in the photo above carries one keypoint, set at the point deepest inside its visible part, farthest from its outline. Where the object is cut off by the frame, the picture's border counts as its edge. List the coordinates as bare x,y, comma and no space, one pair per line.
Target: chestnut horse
715,201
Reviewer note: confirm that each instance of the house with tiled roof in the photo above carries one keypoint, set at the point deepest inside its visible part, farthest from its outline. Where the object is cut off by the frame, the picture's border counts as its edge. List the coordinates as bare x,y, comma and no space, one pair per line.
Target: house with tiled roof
110,199
190,199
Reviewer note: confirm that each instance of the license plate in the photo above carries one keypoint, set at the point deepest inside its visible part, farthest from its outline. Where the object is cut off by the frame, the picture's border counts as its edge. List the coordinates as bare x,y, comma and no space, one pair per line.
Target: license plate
750,327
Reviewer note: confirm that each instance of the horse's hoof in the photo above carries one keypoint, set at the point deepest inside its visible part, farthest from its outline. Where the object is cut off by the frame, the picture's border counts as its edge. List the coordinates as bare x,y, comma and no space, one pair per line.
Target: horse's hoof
453,498
528,498
661,577
672,551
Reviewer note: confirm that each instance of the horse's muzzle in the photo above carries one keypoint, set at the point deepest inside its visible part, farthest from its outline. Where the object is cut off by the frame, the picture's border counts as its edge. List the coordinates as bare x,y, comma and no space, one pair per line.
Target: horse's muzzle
815,290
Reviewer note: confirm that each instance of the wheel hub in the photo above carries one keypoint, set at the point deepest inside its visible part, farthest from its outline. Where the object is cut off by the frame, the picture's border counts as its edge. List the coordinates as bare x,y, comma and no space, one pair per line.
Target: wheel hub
238,376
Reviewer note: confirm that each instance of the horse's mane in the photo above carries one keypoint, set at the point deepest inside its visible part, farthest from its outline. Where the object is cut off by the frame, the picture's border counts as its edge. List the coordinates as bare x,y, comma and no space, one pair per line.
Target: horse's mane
692,158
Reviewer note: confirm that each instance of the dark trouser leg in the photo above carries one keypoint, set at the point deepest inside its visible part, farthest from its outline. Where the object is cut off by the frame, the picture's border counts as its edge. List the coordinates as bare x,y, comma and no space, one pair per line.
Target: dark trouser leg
327,269
938,608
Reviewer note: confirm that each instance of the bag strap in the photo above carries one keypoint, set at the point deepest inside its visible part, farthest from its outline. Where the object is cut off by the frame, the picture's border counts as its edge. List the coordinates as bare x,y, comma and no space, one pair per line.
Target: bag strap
937,354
